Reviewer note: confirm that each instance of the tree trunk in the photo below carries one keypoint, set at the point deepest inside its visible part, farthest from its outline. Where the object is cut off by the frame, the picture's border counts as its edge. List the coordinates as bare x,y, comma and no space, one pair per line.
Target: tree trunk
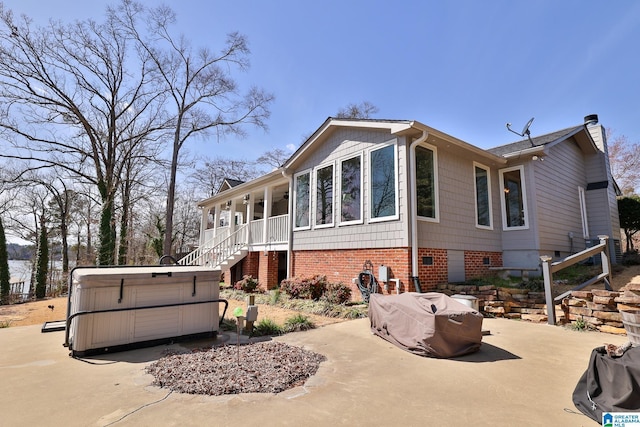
171,194
42,261
65,246
5,275
123,248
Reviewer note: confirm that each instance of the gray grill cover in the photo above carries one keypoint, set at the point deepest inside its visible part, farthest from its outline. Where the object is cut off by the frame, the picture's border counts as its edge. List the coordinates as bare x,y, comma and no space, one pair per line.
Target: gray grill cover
427,324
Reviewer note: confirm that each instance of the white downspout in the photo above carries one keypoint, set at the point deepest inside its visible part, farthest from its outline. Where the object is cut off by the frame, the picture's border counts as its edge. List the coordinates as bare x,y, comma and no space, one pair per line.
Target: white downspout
289,221
413,214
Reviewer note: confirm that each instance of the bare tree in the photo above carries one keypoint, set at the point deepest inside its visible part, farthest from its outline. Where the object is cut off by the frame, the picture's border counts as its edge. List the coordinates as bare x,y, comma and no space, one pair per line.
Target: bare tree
363,110
624,158
75,98
273,158
202,93
210,176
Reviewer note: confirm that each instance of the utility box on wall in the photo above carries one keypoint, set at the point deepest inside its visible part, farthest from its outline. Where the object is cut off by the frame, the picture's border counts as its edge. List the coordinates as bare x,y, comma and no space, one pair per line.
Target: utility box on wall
383,273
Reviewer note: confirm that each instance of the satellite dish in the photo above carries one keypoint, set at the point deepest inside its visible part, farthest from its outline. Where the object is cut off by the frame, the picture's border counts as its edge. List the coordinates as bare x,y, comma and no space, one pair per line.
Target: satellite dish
525,130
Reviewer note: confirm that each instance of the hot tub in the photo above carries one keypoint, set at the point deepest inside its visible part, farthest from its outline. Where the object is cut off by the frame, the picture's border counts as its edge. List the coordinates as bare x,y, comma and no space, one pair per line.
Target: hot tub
117,308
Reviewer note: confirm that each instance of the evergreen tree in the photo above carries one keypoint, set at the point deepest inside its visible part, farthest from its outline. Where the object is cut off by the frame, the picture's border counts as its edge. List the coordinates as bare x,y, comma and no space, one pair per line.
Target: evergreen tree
42,263
4,267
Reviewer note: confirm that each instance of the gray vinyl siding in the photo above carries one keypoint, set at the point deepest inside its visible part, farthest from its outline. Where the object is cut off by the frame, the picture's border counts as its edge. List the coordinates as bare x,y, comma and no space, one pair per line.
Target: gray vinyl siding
456,229
557,182
522,239
342,144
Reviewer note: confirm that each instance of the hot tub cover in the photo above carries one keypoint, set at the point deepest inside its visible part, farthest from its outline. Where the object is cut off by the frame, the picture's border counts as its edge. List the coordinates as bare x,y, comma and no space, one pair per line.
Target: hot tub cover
426,324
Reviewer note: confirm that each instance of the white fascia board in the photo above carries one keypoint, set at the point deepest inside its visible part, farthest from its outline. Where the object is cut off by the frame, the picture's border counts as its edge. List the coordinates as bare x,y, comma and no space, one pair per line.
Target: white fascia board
240,190
393,127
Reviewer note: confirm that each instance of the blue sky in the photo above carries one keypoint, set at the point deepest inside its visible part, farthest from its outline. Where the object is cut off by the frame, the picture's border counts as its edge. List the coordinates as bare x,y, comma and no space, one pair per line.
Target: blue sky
464,67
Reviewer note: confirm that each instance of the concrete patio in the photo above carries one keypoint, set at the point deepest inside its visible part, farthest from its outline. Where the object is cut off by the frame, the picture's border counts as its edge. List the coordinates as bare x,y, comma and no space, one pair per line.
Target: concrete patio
523,375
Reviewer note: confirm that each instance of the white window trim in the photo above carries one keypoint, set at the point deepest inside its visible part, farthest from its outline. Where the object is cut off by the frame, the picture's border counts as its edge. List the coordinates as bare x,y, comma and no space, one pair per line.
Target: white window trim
475,196
524,199
396,216
436,198
339,194
315,196
295,198
582,198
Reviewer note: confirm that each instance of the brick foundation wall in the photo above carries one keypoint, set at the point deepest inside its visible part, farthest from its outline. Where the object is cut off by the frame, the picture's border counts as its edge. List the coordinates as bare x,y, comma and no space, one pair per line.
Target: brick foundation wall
251,264
268,270
432,275
474,265
344,265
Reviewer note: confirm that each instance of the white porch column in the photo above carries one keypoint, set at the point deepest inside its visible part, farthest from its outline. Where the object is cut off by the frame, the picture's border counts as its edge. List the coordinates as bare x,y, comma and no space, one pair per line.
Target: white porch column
232,217
204,220
266,214
249,218
216,219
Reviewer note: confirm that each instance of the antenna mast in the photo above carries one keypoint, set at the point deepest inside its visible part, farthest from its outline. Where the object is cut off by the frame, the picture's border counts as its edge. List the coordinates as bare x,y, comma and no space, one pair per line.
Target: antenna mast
525,130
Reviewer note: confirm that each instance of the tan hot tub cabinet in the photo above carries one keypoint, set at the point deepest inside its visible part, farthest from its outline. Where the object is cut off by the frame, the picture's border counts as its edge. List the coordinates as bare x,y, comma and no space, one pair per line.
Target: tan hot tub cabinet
119,308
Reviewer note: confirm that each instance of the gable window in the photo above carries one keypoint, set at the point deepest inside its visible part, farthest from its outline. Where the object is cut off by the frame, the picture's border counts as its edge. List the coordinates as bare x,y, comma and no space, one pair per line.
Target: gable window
324,196
383,183
482,195
426,182
302,201
351,190
514,200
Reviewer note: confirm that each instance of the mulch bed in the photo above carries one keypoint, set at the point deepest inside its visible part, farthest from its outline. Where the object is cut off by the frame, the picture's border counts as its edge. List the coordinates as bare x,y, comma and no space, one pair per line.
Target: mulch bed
265,367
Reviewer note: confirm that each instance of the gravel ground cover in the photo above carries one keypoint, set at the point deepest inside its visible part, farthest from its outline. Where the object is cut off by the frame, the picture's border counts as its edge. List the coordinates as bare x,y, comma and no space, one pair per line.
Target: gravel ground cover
264,367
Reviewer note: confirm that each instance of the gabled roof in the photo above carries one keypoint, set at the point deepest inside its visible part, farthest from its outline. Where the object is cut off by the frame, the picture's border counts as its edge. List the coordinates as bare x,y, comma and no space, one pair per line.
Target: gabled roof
395,127
541,143
538,141
228,183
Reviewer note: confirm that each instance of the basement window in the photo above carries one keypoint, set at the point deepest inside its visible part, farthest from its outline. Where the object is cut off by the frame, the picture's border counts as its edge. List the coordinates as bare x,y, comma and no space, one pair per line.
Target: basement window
427,260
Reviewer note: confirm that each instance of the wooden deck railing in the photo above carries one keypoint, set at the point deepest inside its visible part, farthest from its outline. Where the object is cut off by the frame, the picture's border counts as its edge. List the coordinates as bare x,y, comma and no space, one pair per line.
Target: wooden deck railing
548,268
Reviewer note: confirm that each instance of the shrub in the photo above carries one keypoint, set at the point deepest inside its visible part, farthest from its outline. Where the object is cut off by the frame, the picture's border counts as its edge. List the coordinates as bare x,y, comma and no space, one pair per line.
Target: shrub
305,287
631,258
275,296
266,327
297,323
337,293
247,284
229,324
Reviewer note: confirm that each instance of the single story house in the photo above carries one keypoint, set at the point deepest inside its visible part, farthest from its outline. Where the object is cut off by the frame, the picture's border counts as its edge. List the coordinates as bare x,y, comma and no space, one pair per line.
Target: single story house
422,206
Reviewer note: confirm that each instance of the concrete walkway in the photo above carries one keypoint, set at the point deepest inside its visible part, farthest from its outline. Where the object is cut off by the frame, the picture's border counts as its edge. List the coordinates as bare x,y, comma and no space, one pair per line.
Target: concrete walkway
523,375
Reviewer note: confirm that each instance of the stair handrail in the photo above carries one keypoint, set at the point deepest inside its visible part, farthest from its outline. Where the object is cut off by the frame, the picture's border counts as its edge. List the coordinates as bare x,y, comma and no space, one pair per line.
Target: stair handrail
548,268
216,254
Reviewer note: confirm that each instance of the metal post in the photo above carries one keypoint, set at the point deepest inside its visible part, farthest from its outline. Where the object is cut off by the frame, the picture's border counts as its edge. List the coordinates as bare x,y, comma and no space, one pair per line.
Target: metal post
548,280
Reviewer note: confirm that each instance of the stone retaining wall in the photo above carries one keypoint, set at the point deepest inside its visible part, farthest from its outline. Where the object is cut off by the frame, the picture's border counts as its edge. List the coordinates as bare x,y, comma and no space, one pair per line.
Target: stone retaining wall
598,309
510,303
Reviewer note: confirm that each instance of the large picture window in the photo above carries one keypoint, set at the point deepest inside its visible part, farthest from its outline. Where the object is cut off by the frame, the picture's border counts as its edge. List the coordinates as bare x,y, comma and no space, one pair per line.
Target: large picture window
483,196
351,190
324,196
514,200
426,188
302,186
383,197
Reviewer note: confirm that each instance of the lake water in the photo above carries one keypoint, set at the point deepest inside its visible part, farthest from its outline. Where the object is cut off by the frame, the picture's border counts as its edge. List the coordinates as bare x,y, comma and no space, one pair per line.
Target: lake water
20,271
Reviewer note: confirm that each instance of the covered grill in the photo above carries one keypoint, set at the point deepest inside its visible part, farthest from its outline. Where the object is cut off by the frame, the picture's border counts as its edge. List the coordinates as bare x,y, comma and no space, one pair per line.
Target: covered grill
427,324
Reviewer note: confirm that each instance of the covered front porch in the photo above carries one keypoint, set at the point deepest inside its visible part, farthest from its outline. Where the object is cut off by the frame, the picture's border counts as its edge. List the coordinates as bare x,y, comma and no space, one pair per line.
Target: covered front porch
242,219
